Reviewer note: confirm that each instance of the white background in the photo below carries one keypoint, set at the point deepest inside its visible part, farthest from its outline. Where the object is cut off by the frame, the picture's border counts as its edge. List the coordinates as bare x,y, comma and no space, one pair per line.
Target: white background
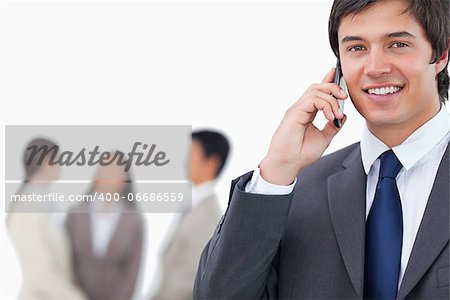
231,66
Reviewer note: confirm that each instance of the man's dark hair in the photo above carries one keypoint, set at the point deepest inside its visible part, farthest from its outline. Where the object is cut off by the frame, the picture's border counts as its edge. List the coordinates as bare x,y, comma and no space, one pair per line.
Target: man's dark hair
433,15
213,143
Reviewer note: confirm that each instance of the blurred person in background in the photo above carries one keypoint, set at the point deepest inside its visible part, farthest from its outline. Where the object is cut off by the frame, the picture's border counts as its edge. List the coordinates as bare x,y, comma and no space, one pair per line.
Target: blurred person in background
107,237
39,237
209,154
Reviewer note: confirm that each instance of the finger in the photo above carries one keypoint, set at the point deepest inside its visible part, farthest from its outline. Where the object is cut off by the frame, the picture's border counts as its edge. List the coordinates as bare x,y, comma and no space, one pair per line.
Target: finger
332,89
329,131
329,88
333,102
305,111
330,76
326,88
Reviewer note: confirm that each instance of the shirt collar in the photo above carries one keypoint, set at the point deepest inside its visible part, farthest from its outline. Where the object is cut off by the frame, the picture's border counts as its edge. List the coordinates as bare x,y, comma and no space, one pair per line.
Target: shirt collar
202,191
414,148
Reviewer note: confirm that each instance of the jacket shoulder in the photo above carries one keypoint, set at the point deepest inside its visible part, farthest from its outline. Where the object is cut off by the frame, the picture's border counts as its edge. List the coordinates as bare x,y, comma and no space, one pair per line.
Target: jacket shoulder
328,164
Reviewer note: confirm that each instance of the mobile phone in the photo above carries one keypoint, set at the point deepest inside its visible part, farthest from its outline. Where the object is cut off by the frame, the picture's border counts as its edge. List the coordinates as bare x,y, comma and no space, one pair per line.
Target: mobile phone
339,80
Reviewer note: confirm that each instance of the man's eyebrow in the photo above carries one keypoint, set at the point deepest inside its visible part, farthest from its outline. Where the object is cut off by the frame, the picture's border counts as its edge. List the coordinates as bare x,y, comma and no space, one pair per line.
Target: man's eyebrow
400,34
352,38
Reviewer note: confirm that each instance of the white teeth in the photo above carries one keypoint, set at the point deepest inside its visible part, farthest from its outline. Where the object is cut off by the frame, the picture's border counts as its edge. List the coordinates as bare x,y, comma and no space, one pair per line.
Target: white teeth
384,90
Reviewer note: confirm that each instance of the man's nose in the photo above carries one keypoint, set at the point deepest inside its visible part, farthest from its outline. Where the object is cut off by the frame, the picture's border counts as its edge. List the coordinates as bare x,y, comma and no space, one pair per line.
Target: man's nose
377,63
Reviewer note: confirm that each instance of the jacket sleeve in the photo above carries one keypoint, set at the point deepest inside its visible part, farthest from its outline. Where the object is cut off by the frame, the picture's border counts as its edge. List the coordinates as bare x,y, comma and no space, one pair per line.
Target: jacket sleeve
240,260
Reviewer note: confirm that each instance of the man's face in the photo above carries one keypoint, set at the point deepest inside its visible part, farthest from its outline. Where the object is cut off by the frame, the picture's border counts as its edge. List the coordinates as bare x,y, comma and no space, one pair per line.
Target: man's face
110,178
199,161
385,59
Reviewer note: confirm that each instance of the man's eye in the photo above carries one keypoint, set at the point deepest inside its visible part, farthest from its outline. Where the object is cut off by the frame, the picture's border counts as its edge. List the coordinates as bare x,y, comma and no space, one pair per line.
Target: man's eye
356,48
399,45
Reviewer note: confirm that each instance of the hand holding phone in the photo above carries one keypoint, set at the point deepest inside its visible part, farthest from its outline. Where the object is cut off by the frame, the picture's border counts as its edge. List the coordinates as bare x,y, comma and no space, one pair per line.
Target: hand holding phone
339,80
297,142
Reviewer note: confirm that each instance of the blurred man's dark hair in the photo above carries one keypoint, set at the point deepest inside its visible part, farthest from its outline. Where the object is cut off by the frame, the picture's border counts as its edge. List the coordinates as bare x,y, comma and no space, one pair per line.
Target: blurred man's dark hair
213,143
32,165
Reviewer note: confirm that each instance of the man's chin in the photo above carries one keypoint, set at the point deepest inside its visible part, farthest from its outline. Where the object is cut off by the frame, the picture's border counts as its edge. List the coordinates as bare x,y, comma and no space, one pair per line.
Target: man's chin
383,120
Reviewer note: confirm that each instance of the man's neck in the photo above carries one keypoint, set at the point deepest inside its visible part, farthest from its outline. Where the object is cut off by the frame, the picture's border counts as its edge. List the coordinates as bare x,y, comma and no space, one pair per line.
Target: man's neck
395,134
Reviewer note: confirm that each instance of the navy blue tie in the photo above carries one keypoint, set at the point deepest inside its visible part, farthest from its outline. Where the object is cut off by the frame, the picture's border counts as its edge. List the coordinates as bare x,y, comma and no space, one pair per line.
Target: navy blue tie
384,232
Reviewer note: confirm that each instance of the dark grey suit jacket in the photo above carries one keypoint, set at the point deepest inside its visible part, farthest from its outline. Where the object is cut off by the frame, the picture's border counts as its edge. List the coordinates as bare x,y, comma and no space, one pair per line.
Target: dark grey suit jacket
310,244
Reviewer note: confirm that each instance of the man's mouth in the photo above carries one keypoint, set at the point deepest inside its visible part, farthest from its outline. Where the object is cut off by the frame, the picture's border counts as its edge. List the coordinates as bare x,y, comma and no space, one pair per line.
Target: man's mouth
384,90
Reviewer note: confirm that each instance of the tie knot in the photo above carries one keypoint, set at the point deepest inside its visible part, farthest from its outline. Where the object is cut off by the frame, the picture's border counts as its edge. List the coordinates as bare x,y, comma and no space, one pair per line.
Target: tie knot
390,165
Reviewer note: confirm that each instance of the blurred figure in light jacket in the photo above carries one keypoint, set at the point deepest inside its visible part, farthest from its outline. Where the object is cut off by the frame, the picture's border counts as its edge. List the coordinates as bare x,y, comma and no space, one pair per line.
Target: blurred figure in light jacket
209,153
39,238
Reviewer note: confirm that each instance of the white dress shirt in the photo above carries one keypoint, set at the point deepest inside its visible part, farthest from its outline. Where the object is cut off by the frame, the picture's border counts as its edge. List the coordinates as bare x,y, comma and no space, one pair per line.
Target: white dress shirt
104,220
420,155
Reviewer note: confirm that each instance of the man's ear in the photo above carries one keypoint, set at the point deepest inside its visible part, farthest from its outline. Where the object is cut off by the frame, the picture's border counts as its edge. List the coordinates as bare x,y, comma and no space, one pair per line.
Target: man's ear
442,61
214,160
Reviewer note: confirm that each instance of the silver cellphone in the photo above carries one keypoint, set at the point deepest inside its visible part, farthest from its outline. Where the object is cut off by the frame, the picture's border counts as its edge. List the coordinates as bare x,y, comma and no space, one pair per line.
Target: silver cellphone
339,80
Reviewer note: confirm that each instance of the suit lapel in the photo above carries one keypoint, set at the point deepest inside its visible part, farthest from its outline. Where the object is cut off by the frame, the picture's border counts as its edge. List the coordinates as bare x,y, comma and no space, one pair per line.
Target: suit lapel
433,232
84,229
347,203
119,233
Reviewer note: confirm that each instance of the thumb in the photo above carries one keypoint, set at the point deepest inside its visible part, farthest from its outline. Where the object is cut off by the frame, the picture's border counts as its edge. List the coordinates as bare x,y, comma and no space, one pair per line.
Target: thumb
330,76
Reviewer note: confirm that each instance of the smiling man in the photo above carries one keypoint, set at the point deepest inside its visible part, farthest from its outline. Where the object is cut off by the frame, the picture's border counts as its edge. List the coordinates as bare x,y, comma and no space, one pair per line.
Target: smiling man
385,48
371,220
